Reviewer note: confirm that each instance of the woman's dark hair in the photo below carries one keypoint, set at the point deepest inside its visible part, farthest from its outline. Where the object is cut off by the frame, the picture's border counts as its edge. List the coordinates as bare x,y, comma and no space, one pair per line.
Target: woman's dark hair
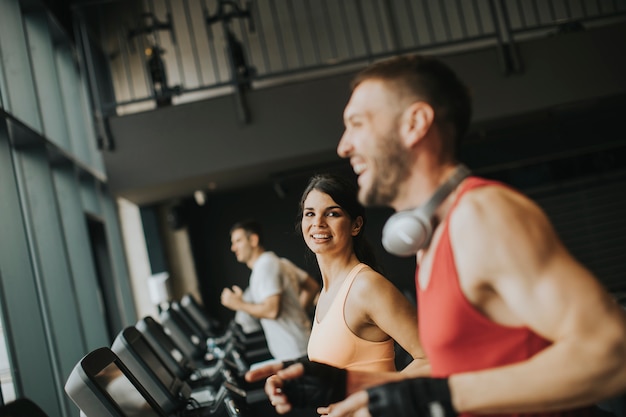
344,193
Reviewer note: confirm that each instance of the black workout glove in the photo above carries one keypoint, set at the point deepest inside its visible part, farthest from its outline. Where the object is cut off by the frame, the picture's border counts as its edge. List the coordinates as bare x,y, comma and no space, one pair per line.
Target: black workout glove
320,385
420,397
290,362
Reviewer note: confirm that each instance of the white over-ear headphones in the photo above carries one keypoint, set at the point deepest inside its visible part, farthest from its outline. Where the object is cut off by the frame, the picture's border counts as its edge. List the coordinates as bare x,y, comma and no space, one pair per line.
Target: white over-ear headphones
406,232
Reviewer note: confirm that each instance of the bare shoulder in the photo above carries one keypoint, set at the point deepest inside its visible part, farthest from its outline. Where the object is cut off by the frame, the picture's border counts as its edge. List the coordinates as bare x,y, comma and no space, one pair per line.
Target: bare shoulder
369,280
495,228
485,202
369,287
500,211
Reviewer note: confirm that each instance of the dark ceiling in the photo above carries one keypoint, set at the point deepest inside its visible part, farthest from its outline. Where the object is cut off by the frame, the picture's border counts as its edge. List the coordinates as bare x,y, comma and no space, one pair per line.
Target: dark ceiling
493,146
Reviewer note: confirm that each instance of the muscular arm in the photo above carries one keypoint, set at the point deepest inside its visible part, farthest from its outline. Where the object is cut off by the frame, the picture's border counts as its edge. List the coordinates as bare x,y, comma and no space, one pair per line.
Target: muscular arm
514,269
268,309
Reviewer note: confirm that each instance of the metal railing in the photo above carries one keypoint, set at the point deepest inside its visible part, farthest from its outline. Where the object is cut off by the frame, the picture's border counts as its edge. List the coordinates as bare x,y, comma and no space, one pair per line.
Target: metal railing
172,51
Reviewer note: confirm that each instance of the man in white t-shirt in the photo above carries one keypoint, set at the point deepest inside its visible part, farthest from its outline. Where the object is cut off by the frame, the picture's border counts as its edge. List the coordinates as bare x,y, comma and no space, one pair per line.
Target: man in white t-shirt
272,295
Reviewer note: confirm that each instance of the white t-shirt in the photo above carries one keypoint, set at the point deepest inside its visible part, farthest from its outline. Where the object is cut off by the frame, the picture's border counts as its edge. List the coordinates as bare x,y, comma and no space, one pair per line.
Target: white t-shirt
288,335
296,275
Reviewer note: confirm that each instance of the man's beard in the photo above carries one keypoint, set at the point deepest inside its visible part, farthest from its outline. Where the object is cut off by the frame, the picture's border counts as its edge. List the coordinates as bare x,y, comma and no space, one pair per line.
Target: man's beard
392,166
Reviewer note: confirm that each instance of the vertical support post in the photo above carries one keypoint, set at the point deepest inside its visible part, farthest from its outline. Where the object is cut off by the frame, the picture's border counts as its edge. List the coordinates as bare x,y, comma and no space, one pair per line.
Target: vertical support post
239,69
508,52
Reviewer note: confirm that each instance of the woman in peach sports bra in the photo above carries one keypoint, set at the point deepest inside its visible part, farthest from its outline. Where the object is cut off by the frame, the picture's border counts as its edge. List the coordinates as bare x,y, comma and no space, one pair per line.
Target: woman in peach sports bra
359,312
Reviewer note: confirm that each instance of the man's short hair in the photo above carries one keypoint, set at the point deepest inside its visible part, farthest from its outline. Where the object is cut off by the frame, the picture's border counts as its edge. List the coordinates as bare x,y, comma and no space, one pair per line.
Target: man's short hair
250,227
430,80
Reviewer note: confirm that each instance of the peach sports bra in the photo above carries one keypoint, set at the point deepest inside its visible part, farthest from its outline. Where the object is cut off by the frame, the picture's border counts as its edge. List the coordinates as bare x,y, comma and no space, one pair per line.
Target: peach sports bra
333,343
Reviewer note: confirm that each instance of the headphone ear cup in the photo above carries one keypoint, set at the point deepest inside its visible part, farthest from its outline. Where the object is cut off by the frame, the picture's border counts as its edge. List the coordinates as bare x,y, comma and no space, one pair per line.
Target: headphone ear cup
406,232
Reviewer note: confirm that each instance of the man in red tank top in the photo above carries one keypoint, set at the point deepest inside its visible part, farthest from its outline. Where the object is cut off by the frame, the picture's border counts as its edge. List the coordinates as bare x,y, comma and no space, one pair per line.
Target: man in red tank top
511,323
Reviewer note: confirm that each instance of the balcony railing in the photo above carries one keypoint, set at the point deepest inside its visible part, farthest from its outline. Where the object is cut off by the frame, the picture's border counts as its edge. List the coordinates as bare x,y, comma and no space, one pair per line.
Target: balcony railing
147,53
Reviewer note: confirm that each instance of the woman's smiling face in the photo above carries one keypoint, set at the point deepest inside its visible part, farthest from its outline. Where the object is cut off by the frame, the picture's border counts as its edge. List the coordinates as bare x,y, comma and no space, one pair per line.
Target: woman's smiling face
325,225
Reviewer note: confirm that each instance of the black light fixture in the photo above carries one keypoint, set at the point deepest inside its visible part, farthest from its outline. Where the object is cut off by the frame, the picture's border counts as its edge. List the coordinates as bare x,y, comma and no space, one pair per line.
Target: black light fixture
155,65
158,75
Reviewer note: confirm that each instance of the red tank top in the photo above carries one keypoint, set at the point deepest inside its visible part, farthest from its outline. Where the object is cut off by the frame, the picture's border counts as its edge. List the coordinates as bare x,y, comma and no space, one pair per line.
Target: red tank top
456,337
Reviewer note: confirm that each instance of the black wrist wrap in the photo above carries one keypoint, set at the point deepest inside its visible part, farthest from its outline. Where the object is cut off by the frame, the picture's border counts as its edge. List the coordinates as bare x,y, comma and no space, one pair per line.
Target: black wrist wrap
321,385
290,362
420,397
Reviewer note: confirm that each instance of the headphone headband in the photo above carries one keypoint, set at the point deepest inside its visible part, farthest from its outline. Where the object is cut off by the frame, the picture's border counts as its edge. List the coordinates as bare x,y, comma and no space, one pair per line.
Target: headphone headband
460,173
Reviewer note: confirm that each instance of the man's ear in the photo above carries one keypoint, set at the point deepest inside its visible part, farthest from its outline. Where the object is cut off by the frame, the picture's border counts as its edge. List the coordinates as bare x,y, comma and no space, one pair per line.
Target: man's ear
357,225
254,240
417,121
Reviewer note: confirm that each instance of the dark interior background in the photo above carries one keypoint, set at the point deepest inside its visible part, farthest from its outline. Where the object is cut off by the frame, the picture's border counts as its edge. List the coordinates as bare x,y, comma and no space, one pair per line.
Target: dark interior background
571,161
